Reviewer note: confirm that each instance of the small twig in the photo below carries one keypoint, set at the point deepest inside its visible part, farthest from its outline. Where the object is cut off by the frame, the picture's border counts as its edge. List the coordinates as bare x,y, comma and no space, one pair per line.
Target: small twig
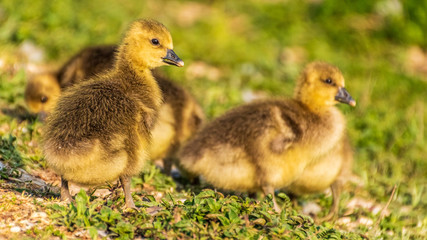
383,212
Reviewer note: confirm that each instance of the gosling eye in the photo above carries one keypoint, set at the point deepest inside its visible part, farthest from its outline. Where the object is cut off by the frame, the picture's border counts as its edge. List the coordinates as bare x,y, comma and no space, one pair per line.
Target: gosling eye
155,41
328,81
43,99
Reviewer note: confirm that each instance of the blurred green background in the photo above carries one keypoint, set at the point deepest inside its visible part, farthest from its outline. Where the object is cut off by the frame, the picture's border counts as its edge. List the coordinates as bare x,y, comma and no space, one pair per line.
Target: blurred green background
235,50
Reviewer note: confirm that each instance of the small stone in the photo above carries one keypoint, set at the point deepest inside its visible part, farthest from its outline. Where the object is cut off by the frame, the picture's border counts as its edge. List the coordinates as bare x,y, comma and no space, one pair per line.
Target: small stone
250,95
15,229
39,215
32,52
27,224
344,220
376,209
365,221
311,209
102,233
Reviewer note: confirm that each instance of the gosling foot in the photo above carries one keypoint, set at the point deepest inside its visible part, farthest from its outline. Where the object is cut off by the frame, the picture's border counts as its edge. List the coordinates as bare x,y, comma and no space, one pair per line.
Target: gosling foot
125,181
270,190
333,212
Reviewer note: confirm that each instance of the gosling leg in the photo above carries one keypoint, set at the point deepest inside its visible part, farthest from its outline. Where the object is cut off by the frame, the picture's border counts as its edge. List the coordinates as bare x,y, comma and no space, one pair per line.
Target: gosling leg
125,181
167,165
65,191
336,193
270,190
252,195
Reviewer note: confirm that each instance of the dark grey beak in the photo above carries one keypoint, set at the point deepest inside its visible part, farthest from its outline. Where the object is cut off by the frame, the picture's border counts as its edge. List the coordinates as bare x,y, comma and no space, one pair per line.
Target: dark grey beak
42,116
172,59
345,97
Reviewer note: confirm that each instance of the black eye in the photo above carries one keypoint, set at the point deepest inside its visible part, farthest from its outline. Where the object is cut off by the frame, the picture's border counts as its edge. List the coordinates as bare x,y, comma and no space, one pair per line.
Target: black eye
43,99
328,81
155,41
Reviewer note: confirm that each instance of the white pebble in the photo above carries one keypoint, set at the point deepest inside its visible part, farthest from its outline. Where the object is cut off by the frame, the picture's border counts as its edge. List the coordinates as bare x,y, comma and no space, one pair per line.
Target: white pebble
365,221
102,233
39,215
15,229
344,220
311,208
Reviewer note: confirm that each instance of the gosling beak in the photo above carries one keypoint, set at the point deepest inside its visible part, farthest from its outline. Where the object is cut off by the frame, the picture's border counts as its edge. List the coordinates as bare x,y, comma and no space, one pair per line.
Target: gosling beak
345,97
42,116
172,59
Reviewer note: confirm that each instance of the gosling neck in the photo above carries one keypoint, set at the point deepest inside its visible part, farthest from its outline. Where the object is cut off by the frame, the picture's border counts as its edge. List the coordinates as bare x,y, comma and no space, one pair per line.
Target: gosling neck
137,76
313,103
129,61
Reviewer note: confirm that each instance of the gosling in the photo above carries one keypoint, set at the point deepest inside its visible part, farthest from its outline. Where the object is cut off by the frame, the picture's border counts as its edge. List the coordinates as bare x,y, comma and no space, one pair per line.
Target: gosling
41,94
180,116
100,129
86,64
296,144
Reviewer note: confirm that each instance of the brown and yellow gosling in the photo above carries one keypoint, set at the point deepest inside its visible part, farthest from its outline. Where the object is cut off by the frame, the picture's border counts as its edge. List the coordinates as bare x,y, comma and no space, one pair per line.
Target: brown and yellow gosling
41,94
100,129
180,116
296,144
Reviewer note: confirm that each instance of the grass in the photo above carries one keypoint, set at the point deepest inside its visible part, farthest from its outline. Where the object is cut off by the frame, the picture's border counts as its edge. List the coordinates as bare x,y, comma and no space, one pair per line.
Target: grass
244,45
207,215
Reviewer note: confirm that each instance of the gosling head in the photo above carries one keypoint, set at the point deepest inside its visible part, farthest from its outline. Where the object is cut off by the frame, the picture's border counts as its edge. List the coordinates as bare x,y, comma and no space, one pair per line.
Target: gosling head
41,94
321,85
148,43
